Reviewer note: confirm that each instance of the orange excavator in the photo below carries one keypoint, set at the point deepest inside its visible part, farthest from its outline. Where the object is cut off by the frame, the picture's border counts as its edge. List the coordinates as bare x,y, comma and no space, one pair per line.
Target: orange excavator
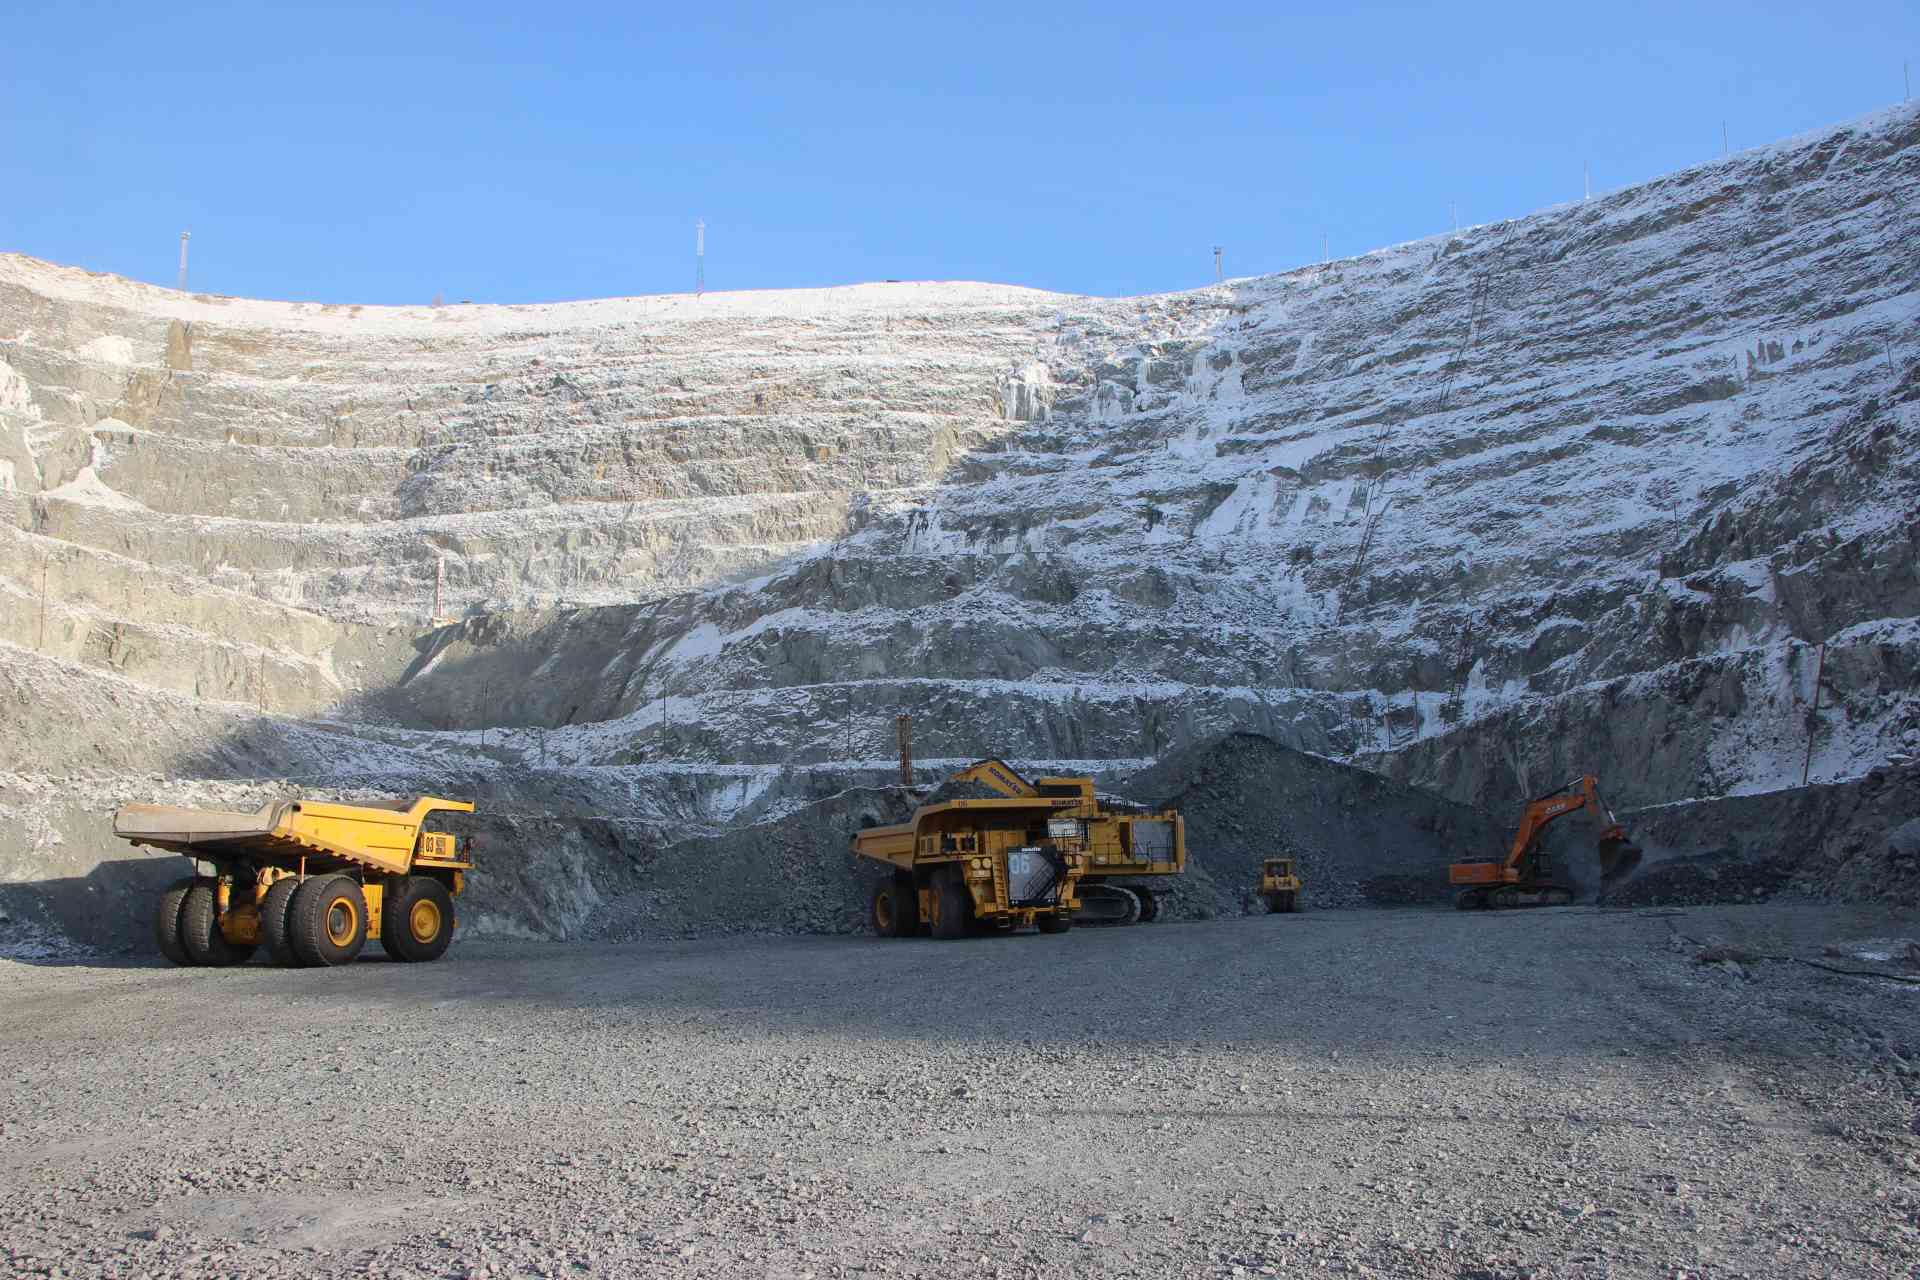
1526,878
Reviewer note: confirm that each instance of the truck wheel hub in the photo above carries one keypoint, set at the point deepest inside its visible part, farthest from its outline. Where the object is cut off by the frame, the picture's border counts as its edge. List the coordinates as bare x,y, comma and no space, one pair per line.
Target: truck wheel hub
341,920
424,921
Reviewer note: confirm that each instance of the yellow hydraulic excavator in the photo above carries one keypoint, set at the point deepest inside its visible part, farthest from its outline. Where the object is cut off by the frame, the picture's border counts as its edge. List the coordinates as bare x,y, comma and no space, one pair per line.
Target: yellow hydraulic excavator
1525,878
1129,851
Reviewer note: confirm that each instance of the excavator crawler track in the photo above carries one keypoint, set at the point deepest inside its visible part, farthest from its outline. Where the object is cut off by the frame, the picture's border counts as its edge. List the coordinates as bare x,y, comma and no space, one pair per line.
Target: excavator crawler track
1107,906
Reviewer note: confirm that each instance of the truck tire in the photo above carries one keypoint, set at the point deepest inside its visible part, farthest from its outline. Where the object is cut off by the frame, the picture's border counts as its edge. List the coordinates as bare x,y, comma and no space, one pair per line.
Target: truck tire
1059,922
1149,905
895,909
274,920
166,922
328,920
416,923
909,891
200,929
952,906
1297,900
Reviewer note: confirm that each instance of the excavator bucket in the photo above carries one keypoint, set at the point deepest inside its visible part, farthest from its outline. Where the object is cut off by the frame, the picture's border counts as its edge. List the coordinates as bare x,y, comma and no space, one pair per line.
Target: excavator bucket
1618,858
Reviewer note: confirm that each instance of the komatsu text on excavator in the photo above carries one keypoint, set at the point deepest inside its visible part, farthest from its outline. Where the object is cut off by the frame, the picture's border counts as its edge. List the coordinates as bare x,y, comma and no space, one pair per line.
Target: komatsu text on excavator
1525,878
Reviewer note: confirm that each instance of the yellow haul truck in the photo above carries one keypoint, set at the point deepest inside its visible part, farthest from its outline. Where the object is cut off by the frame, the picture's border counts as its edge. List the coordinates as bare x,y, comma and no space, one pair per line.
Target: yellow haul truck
312,880
970,866
1129,851
1034,852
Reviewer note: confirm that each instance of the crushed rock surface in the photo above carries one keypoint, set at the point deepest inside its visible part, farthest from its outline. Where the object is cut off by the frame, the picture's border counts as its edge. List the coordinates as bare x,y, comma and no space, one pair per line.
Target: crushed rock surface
1412,1093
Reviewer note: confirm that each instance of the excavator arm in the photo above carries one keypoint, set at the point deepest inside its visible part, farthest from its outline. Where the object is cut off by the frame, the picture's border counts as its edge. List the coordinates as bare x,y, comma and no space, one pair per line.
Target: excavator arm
1571,798
999,776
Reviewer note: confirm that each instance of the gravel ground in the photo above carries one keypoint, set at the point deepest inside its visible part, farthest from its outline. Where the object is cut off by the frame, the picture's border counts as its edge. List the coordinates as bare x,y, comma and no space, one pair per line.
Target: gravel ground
1383,1092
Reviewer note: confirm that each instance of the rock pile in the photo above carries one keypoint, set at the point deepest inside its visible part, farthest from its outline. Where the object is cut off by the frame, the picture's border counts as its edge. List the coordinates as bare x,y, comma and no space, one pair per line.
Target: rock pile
1358,839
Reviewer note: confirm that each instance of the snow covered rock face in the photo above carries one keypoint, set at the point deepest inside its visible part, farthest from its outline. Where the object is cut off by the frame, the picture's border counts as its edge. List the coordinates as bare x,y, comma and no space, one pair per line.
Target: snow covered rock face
1584,491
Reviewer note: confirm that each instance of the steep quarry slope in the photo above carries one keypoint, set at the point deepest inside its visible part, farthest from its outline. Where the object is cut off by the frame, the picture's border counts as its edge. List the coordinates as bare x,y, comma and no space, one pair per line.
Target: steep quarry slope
1598,488
205,472
1586,490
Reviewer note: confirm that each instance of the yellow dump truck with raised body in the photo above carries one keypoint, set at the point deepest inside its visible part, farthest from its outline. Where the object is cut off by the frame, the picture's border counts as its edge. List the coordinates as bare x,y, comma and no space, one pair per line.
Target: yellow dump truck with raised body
1028,853
311,879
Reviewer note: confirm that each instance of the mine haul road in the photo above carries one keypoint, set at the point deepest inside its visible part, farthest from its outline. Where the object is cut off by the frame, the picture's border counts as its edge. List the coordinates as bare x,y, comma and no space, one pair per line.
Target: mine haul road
1401,1093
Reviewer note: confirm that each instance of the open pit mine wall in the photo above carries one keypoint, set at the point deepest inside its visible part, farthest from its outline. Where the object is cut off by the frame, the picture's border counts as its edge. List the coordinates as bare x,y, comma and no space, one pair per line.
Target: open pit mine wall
1603,488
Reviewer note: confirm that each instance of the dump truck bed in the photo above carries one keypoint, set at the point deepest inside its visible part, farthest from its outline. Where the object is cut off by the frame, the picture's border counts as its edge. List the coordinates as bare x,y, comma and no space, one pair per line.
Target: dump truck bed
896,843
170,824
317,833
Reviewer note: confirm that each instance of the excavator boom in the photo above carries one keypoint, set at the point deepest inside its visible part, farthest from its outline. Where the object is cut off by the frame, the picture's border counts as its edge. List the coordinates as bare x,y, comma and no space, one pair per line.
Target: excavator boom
999,776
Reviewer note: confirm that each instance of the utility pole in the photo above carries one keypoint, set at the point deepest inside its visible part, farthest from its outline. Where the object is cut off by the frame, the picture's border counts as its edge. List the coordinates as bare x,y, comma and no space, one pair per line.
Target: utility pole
1586,173
1326,254
184,237
1453,211
699,256
1217,277
1726,147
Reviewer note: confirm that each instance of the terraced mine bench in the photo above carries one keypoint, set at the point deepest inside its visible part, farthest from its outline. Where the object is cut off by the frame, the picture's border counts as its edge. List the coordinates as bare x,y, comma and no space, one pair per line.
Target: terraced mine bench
309,878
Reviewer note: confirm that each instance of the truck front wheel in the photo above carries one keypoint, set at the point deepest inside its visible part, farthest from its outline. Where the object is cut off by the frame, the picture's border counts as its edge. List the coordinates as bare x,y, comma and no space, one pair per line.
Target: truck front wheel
1059,922
895,908
416,924
952,906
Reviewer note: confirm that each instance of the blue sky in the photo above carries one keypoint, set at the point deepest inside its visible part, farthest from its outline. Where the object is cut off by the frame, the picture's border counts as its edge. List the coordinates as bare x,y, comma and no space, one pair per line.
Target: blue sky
525,152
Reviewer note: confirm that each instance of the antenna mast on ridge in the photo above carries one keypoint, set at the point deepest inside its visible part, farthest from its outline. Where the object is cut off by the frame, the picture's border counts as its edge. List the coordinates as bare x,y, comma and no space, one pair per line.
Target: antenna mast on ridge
184,237
700,255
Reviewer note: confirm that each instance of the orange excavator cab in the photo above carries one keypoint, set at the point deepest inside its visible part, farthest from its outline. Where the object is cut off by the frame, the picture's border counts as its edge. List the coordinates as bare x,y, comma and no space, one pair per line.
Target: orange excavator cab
1525,878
